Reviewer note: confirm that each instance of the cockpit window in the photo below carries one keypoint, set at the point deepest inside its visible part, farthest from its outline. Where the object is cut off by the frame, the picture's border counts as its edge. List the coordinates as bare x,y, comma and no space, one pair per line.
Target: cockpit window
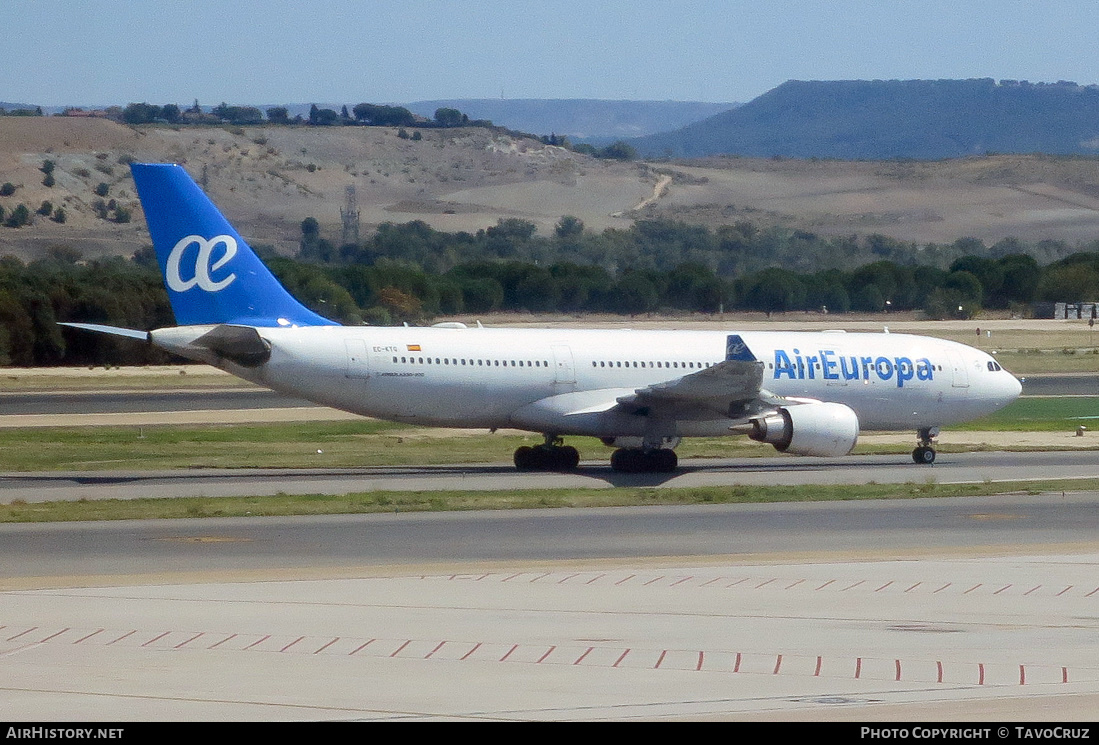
994,366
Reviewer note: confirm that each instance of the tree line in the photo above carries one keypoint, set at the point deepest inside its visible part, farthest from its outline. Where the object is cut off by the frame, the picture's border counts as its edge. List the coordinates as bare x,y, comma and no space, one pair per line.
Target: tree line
363,114
412,273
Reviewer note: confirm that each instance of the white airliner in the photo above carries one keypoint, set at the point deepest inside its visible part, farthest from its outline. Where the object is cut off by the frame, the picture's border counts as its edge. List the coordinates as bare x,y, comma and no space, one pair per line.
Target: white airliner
806,393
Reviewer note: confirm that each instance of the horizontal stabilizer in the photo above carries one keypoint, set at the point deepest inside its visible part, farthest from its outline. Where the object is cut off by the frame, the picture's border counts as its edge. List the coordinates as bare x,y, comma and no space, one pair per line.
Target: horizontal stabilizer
113,330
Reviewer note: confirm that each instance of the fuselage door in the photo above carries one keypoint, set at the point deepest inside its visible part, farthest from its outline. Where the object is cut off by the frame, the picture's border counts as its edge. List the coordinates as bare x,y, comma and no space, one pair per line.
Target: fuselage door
562,364
960,372
358,365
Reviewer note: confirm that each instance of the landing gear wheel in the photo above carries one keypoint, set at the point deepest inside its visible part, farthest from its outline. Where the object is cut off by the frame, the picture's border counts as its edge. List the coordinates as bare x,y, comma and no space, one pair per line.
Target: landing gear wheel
547,458
923,454
524,458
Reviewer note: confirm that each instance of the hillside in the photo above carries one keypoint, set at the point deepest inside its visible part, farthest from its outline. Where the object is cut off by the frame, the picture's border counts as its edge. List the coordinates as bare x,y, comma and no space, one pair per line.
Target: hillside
268,179
587,119
876,120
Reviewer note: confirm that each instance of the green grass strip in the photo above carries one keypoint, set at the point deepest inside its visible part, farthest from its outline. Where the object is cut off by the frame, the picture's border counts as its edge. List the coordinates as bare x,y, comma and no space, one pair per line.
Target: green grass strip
440,501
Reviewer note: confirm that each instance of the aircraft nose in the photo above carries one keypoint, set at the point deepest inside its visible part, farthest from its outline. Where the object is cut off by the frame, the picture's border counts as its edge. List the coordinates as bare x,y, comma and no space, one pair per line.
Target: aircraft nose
1011,388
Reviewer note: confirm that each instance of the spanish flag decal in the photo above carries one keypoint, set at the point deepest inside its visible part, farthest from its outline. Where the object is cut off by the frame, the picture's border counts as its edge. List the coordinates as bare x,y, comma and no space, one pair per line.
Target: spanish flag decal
413,347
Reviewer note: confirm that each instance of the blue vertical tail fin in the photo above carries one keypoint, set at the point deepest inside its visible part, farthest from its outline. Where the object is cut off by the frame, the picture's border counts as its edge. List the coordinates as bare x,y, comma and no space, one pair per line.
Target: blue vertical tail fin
211,273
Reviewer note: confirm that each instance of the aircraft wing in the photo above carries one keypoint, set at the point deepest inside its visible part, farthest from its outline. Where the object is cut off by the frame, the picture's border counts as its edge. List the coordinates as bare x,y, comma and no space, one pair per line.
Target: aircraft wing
731,388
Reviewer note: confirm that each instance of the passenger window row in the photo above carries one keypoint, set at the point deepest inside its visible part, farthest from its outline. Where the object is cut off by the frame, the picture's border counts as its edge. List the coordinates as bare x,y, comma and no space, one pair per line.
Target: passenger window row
468,363
662,365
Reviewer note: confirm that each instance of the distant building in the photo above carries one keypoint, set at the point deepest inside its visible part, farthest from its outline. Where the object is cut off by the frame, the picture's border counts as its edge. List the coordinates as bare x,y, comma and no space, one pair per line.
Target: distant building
86,114
1075,311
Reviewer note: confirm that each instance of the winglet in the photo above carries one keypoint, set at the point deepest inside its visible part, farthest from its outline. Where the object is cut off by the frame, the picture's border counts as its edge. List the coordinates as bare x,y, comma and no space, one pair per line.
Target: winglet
211,274
736,349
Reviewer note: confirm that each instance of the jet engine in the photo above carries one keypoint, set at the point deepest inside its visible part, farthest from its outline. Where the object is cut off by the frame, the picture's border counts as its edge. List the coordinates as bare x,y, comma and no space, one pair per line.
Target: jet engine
824,429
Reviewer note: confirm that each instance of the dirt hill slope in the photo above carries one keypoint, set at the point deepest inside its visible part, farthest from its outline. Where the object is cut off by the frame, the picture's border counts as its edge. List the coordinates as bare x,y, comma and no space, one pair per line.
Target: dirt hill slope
268,179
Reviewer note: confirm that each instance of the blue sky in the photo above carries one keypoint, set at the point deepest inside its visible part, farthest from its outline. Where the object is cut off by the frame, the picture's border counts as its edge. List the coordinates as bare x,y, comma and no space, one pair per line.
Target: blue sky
88,52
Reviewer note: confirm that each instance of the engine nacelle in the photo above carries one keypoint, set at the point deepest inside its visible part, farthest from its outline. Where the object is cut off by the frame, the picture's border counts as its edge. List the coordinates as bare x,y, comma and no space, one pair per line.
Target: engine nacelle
824,429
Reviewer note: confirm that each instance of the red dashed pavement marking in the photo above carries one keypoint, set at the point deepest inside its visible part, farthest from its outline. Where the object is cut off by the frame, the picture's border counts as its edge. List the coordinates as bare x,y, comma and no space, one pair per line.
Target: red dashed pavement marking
336,639
259,641
88,636
1001,589
128,633
188,641
1031,590
948,584
292,644
831,581
1062,592
884,586
850,586
53,636
625,580
880,668
362,646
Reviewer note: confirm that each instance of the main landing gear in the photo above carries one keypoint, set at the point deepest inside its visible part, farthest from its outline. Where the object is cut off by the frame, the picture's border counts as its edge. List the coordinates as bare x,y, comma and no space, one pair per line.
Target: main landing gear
550,456
925,451
638,460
